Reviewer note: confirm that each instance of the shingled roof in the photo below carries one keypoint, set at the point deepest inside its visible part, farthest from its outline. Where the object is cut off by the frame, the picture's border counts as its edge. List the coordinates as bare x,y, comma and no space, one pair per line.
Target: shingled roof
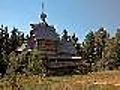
42,31
66,47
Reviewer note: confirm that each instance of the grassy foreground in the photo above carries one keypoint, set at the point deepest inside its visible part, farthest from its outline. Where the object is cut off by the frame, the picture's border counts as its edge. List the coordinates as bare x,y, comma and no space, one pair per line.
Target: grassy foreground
108,80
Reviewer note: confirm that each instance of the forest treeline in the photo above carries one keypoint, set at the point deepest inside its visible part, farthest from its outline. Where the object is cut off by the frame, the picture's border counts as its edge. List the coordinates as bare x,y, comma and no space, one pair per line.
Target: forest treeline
99,51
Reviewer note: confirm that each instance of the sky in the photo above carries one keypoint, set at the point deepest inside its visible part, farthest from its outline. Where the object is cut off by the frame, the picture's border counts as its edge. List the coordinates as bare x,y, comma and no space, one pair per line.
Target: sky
77,16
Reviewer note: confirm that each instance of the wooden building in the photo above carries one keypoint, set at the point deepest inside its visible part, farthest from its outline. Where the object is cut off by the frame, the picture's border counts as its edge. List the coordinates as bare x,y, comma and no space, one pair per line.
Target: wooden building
58,52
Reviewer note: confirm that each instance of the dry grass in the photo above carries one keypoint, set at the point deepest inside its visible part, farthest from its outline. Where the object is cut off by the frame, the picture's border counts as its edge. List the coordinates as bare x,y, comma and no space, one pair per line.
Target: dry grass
109,80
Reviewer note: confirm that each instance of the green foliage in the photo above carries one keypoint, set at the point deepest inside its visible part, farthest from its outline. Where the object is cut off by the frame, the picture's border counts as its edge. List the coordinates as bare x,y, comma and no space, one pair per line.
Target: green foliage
99,50
77,45
35,64
95,46
117,39
89,48
26,62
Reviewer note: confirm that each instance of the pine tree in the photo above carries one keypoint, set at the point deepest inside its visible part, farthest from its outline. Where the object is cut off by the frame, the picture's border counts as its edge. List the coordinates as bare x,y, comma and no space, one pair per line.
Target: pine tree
77,45
14,39
3,49
100,39
117,39
89,49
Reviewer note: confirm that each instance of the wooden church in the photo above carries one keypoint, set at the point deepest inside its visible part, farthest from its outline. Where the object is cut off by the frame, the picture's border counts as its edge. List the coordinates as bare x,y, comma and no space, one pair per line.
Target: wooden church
57,52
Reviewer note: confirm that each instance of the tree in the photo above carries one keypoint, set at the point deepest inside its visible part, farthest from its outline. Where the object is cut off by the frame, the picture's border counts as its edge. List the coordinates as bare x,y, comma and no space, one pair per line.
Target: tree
89,48
101,37
117,40
14,39
102,42
3,49
77,45
28,62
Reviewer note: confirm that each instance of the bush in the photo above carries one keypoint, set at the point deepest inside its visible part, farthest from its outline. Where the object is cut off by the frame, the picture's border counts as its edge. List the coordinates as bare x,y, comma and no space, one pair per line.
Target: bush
25,62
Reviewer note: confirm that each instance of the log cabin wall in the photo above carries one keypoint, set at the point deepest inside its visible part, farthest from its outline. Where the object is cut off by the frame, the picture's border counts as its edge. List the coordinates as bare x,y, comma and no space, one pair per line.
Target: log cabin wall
47,47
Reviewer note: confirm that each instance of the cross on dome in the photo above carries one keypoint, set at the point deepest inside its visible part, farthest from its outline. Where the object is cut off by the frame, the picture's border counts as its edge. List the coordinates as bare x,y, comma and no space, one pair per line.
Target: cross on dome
43,15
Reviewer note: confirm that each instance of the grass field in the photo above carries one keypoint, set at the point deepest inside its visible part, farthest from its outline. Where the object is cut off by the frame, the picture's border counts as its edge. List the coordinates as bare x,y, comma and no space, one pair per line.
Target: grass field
108,80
